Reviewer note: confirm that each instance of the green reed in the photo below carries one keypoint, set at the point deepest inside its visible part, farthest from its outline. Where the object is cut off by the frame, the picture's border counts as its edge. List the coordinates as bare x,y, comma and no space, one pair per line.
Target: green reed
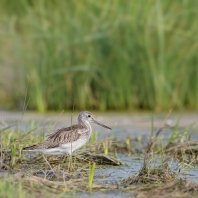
9,189
101,54
92,167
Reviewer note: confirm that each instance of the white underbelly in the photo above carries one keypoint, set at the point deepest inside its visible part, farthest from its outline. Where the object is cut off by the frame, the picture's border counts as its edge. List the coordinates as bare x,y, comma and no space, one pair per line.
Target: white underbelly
71,147
63,149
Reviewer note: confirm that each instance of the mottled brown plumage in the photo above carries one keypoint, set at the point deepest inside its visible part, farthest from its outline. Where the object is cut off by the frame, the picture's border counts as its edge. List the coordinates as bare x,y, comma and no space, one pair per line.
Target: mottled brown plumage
61,136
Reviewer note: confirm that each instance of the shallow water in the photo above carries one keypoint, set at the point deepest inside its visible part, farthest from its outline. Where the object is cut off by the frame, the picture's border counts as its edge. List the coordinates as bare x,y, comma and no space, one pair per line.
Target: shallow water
123,125
113,174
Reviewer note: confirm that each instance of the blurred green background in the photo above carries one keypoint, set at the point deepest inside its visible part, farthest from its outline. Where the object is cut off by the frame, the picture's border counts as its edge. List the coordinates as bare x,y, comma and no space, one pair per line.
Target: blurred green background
101,55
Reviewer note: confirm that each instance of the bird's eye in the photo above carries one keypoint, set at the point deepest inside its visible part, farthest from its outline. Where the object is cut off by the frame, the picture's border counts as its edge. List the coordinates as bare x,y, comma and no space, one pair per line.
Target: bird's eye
89,116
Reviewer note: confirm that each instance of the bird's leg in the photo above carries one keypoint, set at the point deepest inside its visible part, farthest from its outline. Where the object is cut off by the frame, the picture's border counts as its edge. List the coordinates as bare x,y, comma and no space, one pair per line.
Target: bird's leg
70,163
48,164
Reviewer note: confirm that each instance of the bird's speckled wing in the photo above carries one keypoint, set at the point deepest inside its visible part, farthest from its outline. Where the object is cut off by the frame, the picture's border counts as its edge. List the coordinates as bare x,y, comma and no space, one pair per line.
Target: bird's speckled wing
61,136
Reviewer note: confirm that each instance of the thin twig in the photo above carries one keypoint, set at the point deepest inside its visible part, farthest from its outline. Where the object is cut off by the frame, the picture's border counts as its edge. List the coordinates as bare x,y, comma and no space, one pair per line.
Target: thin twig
25,104
57,120
152,141
70,157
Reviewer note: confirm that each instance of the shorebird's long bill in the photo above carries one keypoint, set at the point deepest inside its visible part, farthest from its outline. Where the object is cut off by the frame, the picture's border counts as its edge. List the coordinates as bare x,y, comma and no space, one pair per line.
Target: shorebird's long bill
101,125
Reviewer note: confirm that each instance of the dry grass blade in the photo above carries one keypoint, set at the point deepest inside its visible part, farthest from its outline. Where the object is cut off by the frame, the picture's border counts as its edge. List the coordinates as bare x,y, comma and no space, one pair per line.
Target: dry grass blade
177,188
152,142
38,184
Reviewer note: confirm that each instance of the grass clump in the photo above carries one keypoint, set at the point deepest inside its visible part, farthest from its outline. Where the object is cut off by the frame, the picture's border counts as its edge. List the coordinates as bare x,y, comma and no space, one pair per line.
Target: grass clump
177,188
150,174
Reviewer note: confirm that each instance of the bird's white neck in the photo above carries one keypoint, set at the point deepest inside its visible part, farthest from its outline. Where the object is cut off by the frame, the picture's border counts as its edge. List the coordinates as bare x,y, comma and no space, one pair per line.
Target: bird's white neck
87,124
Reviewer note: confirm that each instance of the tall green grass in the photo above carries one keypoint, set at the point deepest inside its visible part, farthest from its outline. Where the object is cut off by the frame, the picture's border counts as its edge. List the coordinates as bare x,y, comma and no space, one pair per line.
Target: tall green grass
11,189
101,54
